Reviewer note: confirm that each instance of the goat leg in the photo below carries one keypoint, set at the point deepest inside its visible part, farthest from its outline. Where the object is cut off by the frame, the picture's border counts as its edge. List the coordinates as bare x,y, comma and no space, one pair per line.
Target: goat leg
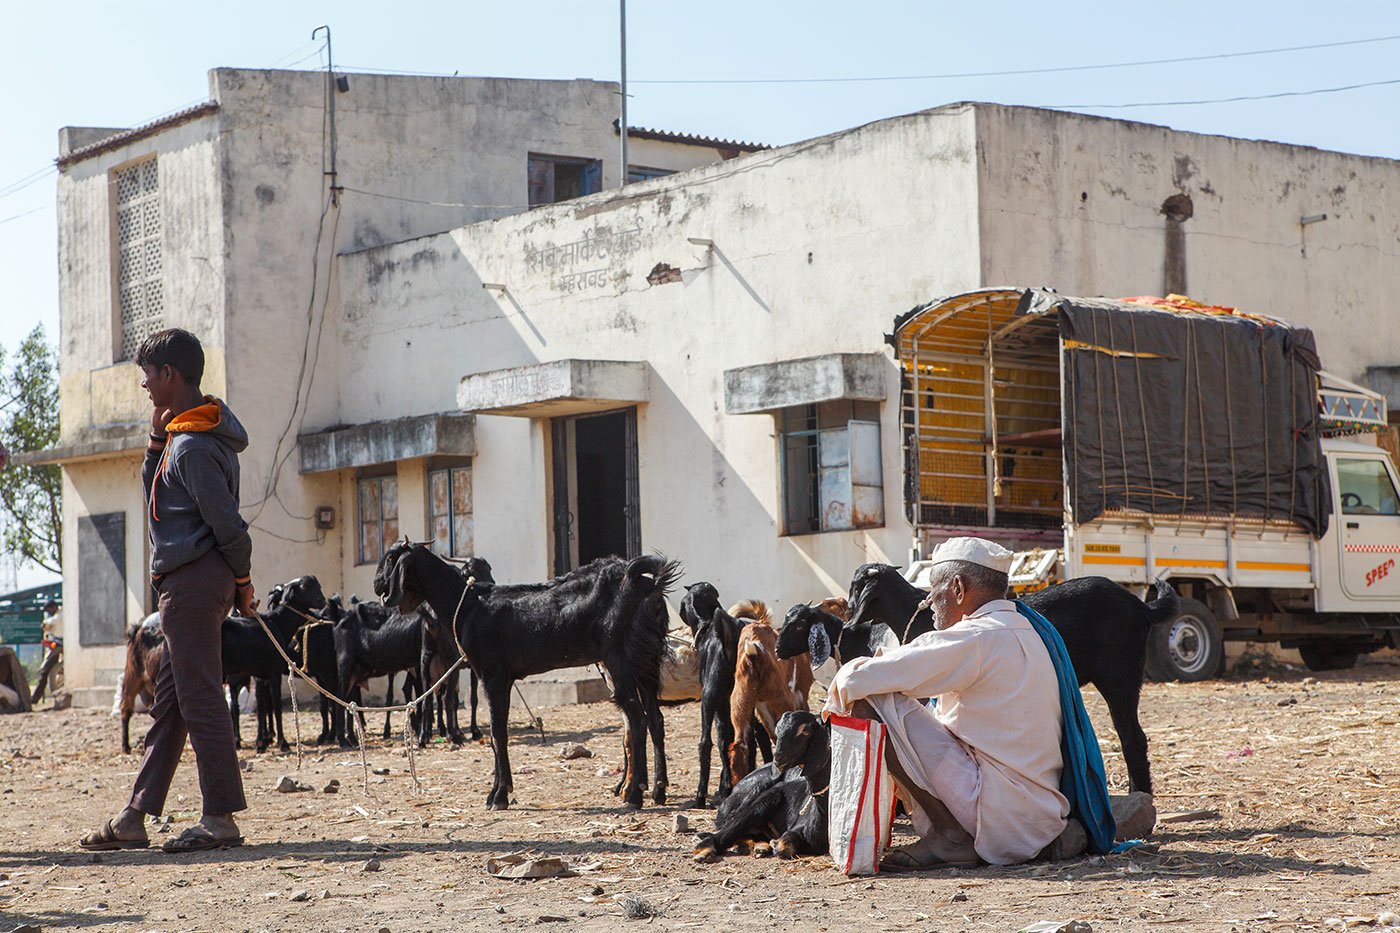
656,725
476,730
389,701
233,687
706,748
498,702
725,728
275,688
1123,710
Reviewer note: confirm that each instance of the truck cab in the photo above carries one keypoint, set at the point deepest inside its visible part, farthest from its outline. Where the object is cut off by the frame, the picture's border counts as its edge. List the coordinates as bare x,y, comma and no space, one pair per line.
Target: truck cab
1357,556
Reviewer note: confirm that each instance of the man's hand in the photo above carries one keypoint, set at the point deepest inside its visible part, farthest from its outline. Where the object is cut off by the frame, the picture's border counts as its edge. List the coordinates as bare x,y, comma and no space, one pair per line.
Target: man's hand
244,602
160,420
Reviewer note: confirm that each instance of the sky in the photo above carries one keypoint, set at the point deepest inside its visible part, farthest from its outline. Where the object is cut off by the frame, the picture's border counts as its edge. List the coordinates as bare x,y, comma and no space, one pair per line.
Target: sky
87,63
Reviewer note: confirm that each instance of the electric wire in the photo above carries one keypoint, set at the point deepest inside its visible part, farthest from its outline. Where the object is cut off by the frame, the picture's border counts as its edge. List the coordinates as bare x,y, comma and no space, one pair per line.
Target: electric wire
1058,69
1224,100
41,207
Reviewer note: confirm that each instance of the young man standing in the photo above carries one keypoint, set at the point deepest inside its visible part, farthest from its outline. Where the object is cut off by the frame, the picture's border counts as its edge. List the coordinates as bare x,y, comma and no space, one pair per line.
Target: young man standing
200,558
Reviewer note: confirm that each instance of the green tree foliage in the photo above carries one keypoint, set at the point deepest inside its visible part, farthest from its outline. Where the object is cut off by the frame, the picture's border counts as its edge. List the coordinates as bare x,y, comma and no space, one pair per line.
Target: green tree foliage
30,496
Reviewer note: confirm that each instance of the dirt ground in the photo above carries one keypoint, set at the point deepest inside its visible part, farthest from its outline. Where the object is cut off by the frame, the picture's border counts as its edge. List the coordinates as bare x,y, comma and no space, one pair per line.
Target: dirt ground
1296,775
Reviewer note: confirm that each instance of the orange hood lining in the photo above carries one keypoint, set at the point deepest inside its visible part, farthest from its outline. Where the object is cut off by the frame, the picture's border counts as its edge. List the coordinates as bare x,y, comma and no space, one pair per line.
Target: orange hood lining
201,418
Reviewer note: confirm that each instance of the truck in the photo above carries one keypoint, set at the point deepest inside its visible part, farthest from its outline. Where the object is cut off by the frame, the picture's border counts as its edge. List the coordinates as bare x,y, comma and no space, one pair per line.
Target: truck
1157,438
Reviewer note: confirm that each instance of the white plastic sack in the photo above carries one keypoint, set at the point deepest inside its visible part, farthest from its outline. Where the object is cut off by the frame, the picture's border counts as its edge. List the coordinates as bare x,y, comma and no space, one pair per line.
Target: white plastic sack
861,808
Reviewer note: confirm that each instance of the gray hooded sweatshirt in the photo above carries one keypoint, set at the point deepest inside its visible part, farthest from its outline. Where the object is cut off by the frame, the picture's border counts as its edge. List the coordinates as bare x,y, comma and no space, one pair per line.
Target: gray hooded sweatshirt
191,482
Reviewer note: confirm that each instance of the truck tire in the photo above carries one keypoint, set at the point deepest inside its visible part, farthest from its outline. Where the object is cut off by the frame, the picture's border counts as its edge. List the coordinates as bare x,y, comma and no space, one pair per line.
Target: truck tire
1188,648
1322,656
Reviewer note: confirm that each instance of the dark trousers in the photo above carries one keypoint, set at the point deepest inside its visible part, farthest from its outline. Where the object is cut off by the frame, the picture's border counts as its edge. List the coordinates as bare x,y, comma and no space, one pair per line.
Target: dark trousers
194,599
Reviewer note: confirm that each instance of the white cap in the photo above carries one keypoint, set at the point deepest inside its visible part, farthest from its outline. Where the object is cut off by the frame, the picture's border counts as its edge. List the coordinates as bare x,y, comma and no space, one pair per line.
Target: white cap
974,551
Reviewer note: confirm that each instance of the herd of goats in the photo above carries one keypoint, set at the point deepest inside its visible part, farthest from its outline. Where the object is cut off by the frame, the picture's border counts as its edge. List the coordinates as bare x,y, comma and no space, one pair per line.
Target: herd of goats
752,679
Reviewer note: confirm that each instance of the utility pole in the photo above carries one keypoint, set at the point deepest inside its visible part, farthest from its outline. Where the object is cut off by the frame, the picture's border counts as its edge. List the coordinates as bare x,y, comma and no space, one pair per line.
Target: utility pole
330,105
622,121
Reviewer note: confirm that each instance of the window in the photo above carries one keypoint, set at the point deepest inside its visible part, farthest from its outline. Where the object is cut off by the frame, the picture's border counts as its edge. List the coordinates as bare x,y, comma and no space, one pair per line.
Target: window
379,516
557,178
450,510
642,173
140,285
1366,488
831,471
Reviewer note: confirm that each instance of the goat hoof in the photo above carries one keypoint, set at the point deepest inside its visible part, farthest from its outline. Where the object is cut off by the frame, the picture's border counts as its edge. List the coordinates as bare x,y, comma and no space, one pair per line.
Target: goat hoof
696,804
784,850
761,850
658,795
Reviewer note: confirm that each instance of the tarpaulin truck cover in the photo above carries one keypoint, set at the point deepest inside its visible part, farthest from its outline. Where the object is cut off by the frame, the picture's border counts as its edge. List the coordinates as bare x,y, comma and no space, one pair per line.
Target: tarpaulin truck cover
1168,407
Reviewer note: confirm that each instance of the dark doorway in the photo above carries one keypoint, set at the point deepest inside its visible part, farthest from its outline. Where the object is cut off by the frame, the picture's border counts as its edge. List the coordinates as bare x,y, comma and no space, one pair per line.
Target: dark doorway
595,488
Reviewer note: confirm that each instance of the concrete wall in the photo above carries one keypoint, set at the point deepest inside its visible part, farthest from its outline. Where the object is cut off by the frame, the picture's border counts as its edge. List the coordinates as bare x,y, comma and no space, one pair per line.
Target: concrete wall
817,247
1075,202
109,485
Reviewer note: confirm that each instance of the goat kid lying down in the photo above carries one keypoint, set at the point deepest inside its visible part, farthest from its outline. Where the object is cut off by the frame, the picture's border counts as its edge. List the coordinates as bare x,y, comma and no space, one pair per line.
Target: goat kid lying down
765,686
782,806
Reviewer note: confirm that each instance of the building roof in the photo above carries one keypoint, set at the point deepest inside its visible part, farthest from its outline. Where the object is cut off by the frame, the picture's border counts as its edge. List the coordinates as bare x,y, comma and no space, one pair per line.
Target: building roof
690,139
138,132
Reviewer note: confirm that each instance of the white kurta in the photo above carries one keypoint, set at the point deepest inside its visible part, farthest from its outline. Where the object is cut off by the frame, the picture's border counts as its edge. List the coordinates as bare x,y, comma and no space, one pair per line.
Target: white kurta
998,695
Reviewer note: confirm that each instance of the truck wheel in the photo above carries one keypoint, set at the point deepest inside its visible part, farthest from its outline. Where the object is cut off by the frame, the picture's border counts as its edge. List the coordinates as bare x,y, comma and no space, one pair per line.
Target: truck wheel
1187,648
1320,656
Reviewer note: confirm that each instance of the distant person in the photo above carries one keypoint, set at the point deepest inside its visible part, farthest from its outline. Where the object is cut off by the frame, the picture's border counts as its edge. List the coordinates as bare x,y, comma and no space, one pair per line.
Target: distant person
51,636
200,563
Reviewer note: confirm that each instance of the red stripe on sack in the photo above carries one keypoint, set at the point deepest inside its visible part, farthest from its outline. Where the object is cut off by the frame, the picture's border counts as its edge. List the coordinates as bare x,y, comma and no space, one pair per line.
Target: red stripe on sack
849,722
874,812
860,804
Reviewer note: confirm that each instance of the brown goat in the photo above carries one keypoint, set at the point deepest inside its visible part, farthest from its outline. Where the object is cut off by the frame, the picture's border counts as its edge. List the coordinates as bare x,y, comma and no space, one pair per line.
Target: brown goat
145,648
764,686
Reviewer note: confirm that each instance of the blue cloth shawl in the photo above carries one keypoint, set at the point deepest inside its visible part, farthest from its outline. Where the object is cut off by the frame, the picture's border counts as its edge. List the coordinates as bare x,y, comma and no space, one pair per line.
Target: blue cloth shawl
1082,781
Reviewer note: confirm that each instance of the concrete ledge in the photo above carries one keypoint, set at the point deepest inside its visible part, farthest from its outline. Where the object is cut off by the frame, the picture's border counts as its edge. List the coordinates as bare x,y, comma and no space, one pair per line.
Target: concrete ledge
555,688
770,386
444,434
91,445
561,387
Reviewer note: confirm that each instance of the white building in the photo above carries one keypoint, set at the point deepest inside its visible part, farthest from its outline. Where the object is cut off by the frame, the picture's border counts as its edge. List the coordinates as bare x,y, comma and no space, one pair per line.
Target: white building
694,364
227,219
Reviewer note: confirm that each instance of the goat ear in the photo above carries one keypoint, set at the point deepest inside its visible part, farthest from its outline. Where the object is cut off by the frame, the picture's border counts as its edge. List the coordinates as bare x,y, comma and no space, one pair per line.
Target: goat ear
818,645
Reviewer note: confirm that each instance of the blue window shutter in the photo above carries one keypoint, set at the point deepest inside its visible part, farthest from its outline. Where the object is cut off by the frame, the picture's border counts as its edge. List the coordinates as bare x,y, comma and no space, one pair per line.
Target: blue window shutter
593,177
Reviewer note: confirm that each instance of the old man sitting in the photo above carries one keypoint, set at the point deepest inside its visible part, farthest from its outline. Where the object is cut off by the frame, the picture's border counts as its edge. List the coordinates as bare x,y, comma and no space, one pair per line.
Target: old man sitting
979,771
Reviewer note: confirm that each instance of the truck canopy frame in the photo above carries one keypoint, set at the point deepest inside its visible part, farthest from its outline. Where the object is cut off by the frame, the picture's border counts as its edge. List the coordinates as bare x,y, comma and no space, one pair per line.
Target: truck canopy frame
1025,411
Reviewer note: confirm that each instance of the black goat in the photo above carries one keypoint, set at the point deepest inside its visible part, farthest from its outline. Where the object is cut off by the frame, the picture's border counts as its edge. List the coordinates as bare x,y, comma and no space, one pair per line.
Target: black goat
716,644
438,654
611,611
779,804
1104,628
372,640
247,653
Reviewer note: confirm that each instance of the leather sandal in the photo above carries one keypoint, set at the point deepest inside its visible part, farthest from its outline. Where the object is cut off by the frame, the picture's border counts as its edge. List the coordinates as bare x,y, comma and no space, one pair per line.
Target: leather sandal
199,839
107,840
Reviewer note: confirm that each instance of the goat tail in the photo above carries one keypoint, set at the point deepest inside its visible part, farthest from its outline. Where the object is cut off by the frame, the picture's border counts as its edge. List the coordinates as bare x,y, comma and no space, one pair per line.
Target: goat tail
654,576
1166,606
755,609
654,571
